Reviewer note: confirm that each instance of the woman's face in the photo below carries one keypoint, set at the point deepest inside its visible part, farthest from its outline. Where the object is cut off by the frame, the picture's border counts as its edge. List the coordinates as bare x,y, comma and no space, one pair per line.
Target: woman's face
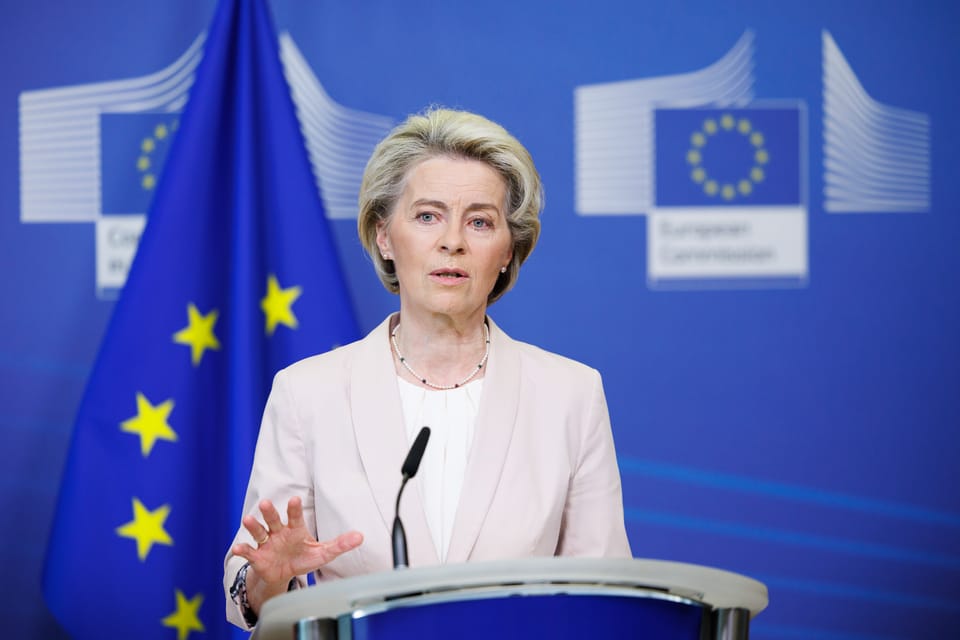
448,236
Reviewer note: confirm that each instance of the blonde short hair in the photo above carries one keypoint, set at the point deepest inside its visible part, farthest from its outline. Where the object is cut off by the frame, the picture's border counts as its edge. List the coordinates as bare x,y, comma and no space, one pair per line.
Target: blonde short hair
459,134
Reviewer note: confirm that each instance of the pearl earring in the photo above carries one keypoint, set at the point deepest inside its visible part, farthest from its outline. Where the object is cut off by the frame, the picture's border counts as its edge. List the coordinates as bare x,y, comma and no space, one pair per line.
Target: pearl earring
503,269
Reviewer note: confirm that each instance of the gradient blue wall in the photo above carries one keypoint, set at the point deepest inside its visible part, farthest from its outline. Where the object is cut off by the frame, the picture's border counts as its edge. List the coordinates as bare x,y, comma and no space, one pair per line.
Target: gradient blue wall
804,432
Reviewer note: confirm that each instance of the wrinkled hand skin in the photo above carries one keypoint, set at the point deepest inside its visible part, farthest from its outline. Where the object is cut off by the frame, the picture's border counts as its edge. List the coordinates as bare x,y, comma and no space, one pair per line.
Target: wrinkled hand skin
286,551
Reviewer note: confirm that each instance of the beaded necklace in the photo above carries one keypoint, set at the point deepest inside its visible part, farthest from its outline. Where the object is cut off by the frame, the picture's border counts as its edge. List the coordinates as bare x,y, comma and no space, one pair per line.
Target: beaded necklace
440,387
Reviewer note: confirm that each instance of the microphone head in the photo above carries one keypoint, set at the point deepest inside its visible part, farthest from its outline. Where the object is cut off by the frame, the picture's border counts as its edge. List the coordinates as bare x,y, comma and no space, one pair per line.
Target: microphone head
412,463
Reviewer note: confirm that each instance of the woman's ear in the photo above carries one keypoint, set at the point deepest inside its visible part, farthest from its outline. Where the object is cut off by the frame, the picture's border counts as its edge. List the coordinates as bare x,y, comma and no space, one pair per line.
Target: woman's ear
383,241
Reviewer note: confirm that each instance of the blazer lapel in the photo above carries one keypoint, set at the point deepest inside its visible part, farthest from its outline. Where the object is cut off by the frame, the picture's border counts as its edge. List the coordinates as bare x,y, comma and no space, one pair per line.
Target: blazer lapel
494,428
382,440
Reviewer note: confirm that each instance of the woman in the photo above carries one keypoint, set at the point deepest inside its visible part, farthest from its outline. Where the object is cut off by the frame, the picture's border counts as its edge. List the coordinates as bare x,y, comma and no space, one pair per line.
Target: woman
520,461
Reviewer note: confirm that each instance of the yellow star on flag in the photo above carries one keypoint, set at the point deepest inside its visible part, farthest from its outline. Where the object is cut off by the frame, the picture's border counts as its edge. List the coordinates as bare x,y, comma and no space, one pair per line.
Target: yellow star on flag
198,333
276,305
146,528
150,423
185,618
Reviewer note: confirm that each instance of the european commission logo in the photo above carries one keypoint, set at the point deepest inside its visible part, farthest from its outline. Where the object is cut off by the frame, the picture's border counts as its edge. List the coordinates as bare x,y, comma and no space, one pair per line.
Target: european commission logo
719,177
722,178
94,153
728,197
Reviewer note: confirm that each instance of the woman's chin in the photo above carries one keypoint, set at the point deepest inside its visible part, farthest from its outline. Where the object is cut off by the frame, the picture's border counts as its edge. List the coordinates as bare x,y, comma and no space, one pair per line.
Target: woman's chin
450,305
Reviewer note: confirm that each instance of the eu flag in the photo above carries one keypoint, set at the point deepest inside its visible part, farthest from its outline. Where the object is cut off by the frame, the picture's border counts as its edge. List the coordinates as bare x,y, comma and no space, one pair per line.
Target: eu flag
728,156
236,276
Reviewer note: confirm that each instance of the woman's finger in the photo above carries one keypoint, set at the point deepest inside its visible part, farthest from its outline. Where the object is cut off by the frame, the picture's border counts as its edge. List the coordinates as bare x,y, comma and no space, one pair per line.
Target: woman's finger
341,544
256,530
295,513
271,516
243,550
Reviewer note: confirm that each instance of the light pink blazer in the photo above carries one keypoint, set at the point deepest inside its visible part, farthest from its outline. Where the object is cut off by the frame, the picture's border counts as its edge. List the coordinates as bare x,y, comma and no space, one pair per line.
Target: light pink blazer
541,479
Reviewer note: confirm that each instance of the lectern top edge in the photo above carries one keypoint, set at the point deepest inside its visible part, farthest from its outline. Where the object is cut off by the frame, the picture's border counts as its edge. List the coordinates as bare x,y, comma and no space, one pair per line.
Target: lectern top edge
714,588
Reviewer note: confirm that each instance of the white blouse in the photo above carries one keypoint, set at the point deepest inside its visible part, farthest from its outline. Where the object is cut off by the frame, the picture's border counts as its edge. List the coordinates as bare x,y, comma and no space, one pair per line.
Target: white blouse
451,416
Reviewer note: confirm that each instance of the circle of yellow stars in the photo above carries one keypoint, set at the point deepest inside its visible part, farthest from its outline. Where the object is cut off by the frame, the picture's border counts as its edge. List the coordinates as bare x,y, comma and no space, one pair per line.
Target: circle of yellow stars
152,424
145,162
727,124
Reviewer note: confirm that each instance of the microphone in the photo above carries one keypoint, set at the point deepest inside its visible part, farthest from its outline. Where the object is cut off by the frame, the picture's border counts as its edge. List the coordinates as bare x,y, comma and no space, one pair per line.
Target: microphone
409,469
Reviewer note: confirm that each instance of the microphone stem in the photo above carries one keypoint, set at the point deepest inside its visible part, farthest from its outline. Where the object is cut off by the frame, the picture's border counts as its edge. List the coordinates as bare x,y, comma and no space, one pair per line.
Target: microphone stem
396,509
399,537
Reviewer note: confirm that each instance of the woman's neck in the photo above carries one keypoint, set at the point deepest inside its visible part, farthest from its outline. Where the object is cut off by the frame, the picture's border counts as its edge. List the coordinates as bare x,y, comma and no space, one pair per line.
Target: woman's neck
438,349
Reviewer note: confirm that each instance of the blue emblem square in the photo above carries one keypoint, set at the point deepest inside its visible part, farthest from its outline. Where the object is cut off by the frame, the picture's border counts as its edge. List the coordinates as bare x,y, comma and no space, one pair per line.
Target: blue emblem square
728,157
133,149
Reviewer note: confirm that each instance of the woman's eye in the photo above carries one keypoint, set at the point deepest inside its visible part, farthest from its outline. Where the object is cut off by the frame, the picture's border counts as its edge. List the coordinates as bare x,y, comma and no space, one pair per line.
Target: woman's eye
479,223
425,216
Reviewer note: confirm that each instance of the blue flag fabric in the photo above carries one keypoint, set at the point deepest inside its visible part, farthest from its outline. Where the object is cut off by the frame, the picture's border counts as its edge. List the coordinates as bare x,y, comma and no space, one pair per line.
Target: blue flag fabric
236,276
728,157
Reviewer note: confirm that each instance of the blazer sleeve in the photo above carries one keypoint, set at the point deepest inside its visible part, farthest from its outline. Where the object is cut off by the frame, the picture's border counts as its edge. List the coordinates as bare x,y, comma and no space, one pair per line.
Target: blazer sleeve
280,471
592,523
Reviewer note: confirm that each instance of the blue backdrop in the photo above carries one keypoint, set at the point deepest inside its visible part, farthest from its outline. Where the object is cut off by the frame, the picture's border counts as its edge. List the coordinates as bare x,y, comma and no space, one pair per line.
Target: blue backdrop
782,373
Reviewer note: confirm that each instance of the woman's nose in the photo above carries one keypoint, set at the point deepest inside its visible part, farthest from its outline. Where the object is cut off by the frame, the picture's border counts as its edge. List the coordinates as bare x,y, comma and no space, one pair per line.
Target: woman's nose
453,240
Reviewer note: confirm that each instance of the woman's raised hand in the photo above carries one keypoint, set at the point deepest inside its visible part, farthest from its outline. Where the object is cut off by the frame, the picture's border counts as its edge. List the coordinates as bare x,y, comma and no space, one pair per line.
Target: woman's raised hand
285,550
